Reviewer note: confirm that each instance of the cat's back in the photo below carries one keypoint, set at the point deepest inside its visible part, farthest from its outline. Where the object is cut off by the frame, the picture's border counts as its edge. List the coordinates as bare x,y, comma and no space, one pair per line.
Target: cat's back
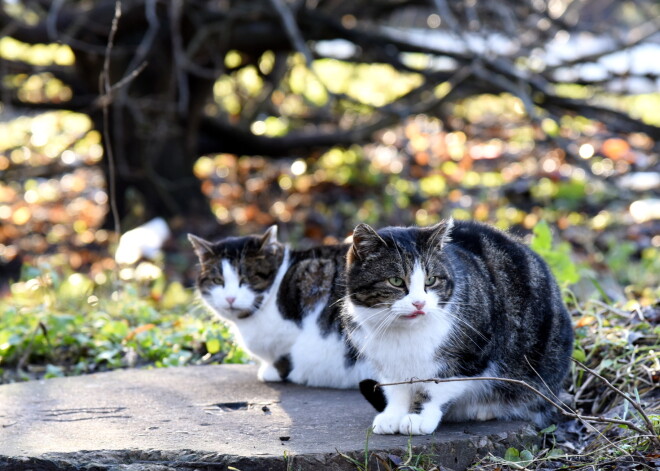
503,255
310,295
313,280
527,312
316,267
335,252
482,239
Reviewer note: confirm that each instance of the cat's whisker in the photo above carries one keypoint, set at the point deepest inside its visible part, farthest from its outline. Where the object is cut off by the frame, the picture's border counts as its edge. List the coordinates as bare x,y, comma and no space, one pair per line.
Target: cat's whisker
341,299
456,303
466,323
469,326
460,337
366,320
380,329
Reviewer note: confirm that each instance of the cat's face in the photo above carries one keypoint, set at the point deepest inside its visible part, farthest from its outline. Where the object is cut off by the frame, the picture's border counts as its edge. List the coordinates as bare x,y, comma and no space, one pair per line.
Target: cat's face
236,272
397,276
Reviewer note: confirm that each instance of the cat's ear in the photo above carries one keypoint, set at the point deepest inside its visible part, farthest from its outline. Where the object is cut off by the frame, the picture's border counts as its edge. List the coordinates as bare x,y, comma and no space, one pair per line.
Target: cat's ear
365,240
441,233
269,239
202,247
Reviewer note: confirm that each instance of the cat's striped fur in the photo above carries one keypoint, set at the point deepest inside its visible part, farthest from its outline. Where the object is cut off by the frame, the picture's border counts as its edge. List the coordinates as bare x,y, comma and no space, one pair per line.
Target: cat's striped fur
456,300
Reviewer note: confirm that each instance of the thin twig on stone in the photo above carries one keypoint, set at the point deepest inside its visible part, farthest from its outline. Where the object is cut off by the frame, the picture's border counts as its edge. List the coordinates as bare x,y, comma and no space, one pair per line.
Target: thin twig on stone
561,409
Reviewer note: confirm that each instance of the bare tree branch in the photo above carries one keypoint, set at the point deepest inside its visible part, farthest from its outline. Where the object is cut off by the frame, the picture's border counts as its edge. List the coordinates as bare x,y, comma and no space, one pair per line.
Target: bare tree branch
105,87
635,37
216,134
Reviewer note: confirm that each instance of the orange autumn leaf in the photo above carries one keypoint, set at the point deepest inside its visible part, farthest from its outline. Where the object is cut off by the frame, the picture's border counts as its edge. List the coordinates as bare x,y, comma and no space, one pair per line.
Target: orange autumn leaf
615,148
138,330
422,158
585,320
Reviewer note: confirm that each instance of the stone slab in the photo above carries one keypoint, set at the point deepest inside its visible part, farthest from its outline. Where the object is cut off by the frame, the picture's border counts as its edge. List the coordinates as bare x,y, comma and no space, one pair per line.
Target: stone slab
211,417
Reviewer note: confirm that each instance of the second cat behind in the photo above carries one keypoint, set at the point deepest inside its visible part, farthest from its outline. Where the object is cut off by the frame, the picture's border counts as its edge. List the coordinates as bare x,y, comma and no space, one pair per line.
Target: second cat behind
283,306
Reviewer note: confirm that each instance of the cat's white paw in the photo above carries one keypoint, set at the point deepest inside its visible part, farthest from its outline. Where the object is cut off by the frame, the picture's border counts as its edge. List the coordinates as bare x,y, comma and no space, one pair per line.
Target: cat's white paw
417,424
268,373
386,424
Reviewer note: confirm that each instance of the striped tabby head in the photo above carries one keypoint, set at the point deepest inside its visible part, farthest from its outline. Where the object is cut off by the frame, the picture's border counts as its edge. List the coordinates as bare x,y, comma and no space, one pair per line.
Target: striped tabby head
398,276
236,272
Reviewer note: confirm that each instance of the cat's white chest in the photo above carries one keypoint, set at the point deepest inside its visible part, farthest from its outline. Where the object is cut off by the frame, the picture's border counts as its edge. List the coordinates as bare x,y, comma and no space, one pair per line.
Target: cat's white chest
403,351
406,354
266,334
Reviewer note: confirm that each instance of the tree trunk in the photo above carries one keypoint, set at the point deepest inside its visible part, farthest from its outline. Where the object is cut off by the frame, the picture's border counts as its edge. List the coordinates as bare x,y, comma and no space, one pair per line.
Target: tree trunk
153,173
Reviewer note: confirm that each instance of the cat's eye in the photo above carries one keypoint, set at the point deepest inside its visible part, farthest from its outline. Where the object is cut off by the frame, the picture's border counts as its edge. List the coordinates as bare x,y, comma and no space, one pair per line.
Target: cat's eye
217,280
395,281
430,281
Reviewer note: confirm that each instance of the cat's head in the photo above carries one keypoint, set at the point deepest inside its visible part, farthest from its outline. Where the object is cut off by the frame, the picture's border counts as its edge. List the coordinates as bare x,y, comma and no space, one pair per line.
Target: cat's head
399,276
236,272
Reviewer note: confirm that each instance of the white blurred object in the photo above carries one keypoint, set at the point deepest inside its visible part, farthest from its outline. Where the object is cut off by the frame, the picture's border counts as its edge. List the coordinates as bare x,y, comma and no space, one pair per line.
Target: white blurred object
143,241
641,181
645,210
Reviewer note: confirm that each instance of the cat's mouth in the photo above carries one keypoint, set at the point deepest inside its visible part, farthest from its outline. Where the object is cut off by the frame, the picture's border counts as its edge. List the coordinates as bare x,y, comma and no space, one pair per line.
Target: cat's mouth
414,314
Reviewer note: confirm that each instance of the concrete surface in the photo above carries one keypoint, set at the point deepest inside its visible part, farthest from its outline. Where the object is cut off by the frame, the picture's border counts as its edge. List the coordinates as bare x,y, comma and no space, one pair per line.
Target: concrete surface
210,417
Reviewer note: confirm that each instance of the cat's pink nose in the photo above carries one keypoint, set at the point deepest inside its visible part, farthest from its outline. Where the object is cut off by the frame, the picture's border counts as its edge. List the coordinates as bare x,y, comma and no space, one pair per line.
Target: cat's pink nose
419,304
230,300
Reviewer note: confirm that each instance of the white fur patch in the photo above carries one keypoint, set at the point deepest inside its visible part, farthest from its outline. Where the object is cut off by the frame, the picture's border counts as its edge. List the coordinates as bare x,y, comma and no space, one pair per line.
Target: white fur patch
265,333
320,361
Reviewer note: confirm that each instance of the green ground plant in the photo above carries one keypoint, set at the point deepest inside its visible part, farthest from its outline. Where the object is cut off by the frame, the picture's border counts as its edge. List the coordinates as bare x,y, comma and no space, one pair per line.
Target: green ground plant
57,323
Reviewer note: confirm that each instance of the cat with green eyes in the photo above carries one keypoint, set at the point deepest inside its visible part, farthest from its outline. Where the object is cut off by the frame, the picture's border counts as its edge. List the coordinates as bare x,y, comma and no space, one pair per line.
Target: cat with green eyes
455,301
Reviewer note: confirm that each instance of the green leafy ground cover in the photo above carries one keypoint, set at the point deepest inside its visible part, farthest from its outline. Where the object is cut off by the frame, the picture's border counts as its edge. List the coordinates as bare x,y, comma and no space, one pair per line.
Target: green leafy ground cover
57,323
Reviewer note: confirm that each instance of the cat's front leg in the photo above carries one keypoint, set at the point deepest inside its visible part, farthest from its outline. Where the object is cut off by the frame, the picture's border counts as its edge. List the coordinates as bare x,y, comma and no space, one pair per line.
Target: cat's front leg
423,423
399,400
427,420
268,373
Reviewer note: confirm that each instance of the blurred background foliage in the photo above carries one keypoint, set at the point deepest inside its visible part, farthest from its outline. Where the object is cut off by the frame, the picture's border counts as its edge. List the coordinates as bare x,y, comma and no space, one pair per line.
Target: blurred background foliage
400,113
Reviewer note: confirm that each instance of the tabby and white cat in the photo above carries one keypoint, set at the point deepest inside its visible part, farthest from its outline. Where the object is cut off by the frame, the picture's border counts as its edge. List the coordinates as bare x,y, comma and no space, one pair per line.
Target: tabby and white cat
456,300
283,306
